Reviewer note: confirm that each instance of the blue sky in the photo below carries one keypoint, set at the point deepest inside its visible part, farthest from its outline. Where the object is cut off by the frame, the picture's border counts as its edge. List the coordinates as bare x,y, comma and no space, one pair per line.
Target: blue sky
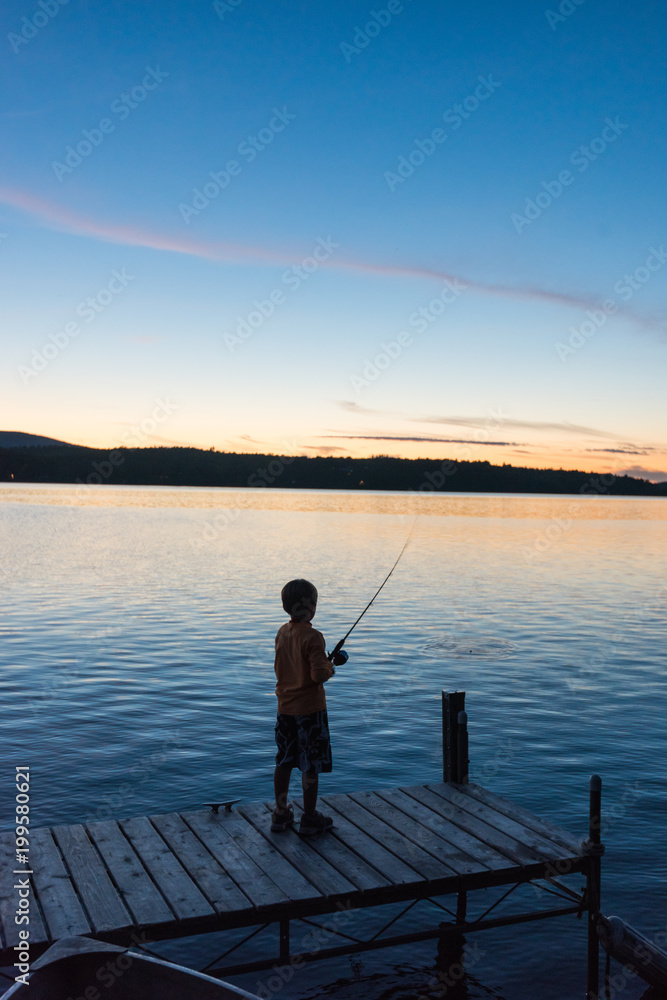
343,228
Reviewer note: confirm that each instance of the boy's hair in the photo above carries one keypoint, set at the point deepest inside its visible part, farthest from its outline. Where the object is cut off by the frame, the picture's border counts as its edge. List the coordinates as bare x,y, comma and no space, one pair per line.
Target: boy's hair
299,599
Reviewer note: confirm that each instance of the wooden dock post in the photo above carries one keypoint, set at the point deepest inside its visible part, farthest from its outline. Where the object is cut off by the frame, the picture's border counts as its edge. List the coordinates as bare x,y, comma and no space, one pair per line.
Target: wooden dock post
462,745
594,848
453,702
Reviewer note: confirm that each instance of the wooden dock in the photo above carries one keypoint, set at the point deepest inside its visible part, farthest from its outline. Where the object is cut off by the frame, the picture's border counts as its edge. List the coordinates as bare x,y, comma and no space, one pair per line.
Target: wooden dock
152,878
187,873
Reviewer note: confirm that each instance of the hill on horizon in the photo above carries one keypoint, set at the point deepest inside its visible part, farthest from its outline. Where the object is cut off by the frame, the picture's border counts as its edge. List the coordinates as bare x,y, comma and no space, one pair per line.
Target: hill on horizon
19,439
188,466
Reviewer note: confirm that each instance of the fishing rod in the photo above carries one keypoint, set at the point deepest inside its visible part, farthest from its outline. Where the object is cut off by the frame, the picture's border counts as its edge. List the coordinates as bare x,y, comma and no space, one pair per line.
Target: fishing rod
338,656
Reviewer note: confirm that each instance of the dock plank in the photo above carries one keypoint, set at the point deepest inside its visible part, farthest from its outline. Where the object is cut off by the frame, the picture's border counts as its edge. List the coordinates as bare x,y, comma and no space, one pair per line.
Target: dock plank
326,879
419,834
386,834
349,864
391,867
166,870
258,886
549,830
523,834
62,909
515,852
103,904
464,839
294,883
9,898
468,854
218,887
137,889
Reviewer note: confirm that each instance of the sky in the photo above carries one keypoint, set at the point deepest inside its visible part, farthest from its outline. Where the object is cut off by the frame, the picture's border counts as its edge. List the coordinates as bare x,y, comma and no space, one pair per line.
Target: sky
408,228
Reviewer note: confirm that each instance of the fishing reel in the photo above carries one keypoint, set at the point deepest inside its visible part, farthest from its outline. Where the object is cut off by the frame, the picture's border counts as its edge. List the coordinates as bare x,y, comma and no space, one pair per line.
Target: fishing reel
338,656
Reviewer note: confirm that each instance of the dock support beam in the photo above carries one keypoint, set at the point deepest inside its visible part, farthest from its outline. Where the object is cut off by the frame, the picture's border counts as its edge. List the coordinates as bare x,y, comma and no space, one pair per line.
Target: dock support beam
454,737
461,906
284,941
594,848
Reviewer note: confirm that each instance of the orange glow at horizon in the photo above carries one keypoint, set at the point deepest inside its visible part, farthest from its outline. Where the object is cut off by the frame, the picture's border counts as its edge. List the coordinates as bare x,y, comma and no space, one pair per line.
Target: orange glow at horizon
531,456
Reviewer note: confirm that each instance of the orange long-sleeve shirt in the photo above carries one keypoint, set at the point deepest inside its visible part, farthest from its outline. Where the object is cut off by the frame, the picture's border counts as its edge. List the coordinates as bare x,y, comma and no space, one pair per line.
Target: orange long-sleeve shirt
301,667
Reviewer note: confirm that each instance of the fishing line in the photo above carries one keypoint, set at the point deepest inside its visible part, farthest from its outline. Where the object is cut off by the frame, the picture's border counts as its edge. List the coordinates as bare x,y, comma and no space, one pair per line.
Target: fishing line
337,649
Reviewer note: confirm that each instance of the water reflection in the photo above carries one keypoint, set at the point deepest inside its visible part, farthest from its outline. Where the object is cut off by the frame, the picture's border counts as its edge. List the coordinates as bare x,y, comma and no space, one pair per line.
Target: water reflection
136,647
341,501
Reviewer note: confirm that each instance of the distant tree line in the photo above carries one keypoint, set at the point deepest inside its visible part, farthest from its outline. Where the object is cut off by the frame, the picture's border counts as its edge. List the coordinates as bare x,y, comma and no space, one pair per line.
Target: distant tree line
195,467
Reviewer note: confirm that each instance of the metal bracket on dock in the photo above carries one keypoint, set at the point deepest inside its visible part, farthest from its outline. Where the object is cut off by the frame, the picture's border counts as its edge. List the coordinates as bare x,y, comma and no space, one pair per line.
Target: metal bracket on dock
592,849
451,930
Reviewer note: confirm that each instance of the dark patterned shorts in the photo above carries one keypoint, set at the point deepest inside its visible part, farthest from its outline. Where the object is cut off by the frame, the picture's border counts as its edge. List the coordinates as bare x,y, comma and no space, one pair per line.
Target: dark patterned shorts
303,742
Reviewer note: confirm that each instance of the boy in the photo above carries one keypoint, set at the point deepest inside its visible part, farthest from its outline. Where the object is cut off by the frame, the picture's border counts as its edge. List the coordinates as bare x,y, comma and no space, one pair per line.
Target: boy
302,732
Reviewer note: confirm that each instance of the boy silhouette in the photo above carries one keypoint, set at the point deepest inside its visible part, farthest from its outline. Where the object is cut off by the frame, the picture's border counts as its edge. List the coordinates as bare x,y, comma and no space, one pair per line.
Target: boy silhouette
302,729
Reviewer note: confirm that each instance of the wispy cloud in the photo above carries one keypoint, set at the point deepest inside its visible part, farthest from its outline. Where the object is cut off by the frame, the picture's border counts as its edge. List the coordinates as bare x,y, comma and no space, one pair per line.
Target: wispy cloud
422,439
24,114
499,420
537,425
630,450
639,472
57,217
326,448
356,407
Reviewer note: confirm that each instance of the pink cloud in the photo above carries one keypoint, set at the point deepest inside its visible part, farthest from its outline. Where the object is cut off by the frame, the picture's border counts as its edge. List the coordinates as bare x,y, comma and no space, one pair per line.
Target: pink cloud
57,217
639,472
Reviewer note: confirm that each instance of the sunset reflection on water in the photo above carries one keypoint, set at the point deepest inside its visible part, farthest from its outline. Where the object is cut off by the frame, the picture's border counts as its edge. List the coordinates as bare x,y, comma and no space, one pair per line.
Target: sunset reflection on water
511,505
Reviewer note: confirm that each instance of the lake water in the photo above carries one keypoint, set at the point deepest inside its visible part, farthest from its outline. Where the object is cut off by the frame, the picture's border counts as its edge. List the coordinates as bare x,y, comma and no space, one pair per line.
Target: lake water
137,675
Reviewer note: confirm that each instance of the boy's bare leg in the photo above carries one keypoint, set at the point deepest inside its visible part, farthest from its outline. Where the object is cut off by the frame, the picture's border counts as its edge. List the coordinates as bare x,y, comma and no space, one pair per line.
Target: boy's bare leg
309,783
281,777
